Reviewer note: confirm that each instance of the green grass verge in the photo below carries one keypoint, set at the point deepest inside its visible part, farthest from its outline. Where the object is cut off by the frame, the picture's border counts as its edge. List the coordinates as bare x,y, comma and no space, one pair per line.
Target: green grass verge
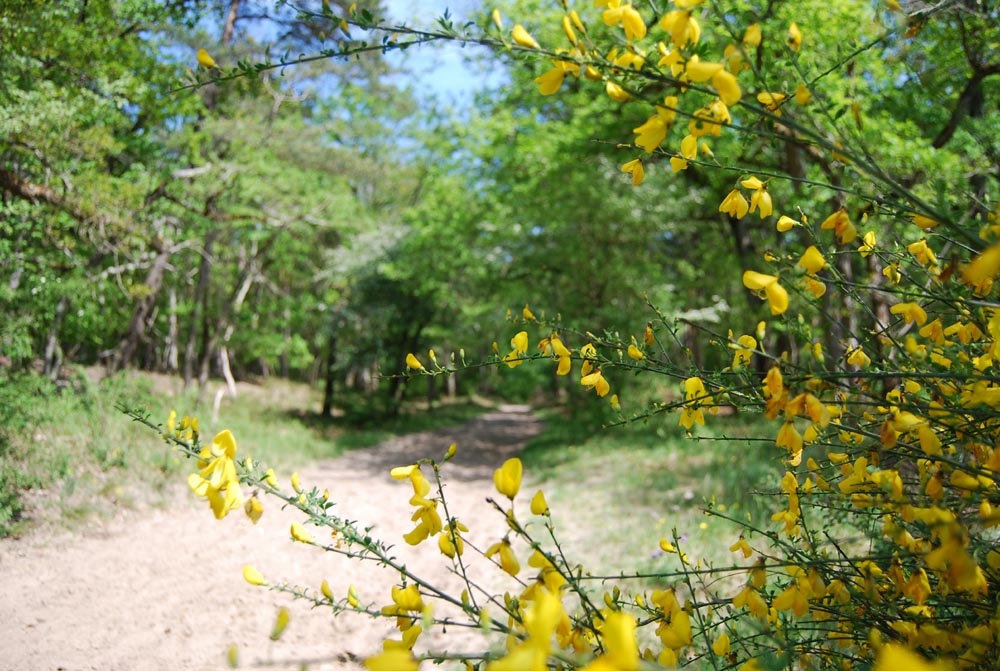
631,486
68,456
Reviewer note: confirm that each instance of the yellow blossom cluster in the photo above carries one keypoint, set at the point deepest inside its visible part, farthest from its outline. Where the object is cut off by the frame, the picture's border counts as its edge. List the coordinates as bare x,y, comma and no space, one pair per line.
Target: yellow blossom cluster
217,479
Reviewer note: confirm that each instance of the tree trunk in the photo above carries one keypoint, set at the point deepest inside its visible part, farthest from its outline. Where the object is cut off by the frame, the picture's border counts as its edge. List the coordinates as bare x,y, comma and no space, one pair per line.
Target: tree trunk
200,308
170,351
287,343
140,314
451,383
223,327
53,350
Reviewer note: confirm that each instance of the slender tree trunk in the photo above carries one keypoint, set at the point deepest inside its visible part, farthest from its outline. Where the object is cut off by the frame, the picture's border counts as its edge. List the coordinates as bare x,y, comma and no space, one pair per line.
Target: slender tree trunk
452,385
140,314
53,350
200,307
171,362
287,342
227,372
223,328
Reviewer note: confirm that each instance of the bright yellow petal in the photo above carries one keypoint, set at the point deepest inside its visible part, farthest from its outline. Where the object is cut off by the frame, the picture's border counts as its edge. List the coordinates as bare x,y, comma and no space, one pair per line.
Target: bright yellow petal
507,478
252,575
812,260
524,38
755,281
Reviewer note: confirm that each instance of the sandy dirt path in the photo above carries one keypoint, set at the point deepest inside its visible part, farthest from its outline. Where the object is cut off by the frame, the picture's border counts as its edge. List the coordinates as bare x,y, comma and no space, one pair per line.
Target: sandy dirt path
163,589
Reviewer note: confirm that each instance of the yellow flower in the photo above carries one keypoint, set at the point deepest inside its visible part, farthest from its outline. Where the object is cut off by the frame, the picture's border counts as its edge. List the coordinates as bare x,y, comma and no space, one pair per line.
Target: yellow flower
635,353
597,381
551,81
841,225
567,26
617,93
450,547
413,362
698,71
325,590
802,94
630,20
404,472
636,169
752,37
682,26
892,273
589,354
776,295
300,534
539,506
771,101
689,147
508,561
911,312
745,345
857,357
280,623
252,575
786,223
497,20
924,222
621,649
254,509
696,396
794,37
507,478
866,249
896,657
652,133
561,353
721,645
762,199
523,38
985,267
735,205
206,61
217,480
520,342
924,254
727,86
678,164
812,260
742,546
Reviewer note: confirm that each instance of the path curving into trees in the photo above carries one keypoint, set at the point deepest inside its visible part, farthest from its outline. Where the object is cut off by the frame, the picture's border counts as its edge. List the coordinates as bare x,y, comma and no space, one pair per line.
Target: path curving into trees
163,589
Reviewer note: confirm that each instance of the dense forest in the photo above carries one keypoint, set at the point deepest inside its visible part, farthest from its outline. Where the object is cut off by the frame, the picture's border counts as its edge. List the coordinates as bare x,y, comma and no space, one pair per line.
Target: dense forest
319,222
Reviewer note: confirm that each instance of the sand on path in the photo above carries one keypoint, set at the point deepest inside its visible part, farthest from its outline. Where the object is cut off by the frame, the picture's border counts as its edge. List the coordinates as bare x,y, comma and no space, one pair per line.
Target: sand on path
163,588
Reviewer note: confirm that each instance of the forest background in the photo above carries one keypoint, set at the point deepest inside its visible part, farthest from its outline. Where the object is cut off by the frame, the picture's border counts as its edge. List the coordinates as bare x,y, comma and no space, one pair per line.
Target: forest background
317,223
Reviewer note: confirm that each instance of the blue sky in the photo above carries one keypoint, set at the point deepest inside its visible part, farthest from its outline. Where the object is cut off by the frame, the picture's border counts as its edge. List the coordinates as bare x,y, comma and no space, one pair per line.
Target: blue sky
441,70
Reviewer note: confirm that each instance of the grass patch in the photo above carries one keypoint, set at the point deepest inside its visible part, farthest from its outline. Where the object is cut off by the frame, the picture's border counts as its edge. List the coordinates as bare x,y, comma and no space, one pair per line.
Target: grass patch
638,483
69,455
